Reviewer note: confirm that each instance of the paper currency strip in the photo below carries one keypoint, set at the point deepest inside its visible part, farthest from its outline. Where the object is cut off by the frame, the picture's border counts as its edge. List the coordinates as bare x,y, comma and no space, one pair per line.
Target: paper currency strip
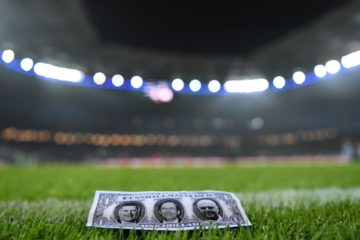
184,210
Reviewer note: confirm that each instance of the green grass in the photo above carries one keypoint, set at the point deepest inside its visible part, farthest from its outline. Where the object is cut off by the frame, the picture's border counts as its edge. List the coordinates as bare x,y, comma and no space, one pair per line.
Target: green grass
80,182
52,202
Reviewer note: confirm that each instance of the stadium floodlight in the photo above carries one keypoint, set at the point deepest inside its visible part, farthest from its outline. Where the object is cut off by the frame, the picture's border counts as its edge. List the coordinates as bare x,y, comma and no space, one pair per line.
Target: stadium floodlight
136,82
246,86
8,56
159,93
320,71
333,66
351,60
279,82
117,80
26,64
299,77
195,85
177,84
58,73
99,78
214,86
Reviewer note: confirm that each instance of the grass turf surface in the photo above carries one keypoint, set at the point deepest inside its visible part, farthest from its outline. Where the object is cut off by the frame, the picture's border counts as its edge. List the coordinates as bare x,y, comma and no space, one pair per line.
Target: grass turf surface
52,202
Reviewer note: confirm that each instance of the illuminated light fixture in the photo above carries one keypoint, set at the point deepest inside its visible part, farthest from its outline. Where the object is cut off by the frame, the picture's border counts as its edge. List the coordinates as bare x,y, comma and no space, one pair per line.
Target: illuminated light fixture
117,80
58,73
177,84
195,85
320,71
136,82
99,78
279,82
333,66
159,93
166,95
351,60
299,77
214,86
246,86
26,64
8,56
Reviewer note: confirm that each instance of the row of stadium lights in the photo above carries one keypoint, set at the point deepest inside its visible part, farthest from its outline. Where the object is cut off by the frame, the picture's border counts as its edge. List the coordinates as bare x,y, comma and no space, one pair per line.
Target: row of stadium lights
106,140
232,86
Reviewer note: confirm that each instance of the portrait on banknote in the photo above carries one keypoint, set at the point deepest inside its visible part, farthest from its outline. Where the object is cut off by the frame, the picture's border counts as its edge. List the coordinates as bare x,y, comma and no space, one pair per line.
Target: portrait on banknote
169,211
129,212
208,209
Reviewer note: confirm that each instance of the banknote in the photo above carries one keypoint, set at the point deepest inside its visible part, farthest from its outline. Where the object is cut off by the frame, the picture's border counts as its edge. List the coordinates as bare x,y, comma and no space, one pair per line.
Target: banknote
181,210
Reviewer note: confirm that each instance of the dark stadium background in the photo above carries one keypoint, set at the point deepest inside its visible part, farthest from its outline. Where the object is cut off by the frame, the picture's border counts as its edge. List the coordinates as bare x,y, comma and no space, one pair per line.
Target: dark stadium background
161,41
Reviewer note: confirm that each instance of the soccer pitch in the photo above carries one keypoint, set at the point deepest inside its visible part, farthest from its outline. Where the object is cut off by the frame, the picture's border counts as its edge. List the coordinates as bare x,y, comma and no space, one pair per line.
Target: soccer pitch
282,201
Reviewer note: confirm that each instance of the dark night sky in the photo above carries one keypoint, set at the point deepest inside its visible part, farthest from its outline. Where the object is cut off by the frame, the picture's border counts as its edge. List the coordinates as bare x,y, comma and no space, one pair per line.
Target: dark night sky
202,27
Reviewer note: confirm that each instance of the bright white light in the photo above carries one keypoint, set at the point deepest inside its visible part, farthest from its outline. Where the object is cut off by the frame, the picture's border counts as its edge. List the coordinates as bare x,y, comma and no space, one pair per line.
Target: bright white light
351,60
299,77
246,86
136,82
214,86
320,71
58,73
177,84
166,95
333,66
195,85
99,78
8,56
159,93
117,80
279,82
26,64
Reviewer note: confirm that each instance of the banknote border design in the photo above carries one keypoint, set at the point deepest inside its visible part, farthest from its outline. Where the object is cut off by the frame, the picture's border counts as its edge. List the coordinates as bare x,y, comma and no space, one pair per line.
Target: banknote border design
92,211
